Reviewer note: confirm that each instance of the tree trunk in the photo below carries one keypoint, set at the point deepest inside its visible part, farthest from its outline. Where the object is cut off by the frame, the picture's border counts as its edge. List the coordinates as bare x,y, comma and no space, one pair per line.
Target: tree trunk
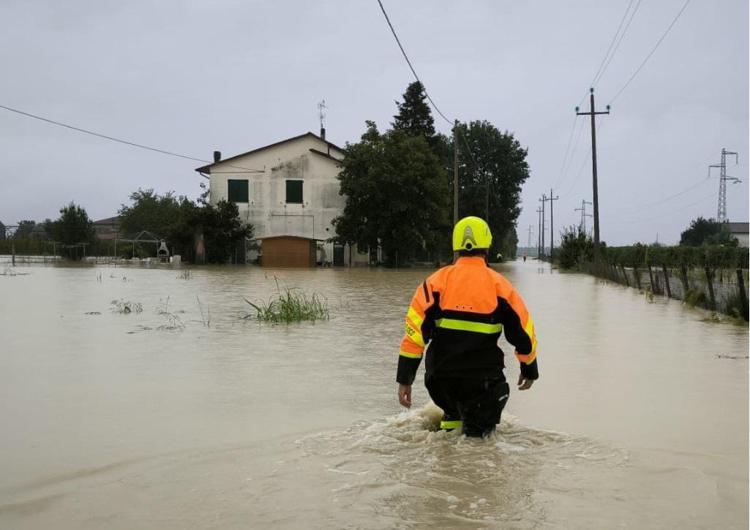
637,275
710,281
625,275
684,279
667,287
743,294
651,279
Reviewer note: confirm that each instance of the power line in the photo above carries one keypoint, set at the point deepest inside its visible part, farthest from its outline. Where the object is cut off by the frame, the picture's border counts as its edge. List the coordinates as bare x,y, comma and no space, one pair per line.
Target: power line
413,71
611,50
566,170
577,179
611,44
619,41
608,56
468,149
674,21
113,138
567,150
663,214
106,137
600,124
673,196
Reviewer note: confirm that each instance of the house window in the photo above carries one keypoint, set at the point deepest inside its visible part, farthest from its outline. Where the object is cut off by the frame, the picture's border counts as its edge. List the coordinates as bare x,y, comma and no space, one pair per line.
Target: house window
238,191
294,191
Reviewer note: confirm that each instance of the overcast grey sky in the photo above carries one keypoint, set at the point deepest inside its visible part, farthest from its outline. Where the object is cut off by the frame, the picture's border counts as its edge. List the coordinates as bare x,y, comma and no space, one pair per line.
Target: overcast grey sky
233,75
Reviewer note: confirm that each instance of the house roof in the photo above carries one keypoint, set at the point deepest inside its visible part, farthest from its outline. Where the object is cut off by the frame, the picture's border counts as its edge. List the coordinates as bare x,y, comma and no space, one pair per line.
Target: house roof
325,155
207,168
108,221
738,228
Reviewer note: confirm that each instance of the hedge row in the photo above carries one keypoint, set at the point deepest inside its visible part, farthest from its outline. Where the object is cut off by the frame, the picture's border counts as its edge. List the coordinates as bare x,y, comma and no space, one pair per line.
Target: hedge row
714,257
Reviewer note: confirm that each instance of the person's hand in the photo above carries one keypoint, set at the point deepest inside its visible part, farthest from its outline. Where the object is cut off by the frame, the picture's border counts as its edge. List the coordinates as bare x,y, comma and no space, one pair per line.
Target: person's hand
404,395
523,383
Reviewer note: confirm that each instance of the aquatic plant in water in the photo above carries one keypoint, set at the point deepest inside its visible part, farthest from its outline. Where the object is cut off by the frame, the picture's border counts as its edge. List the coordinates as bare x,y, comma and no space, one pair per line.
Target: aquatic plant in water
290,305
205,315
124,307
173,321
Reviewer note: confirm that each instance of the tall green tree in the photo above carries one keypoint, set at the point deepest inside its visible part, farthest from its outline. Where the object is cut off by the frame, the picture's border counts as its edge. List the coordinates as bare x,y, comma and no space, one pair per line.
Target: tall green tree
395,190
414,117
25,228
149,211
74,229
492,171
223,231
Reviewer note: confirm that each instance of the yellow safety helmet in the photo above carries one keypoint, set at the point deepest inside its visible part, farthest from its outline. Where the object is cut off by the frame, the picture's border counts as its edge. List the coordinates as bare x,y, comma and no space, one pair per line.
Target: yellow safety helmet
471,233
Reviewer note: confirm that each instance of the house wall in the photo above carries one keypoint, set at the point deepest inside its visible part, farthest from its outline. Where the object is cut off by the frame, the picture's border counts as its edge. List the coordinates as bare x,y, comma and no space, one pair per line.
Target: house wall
742,239
267,209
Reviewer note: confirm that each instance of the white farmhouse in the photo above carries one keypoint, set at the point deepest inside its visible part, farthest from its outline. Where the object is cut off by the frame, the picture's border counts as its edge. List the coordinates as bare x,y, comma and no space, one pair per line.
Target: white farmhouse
289,192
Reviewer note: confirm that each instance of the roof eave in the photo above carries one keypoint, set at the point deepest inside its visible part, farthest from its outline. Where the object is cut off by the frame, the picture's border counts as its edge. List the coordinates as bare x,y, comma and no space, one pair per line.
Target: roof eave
207,169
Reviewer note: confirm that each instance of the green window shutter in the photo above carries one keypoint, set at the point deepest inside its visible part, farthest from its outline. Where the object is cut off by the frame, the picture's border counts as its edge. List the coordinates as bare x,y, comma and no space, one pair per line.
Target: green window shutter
294,191
238,191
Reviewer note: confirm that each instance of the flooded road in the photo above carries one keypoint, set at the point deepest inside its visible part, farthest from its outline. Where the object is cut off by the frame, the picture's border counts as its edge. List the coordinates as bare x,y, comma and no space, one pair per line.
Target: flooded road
185,415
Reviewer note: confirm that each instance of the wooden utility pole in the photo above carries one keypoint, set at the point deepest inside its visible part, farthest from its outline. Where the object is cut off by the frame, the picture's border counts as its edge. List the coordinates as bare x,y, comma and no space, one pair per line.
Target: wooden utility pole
584,215
551,199
593,115
543,200
539,234
455,173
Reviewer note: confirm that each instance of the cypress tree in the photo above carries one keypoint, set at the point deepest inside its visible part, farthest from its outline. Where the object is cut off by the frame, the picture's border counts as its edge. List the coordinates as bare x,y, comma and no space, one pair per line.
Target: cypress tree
414,116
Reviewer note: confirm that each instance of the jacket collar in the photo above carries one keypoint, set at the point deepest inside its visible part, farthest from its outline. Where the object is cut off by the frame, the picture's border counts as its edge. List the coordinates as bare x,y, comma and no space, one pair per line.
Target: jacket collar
471,260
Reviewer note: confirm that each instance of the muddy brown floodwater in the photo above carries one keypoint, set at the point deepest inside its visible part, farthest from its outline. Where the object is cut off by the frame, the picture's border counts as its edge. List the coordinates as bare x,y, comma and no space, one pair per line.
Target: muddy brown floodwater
186,416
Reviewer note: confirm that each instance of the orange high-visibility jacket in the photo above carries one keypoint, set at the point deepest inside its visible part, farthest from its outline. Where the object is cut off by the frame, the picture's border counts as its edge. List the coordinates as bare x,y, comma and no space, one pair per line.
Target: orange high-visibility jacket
459,312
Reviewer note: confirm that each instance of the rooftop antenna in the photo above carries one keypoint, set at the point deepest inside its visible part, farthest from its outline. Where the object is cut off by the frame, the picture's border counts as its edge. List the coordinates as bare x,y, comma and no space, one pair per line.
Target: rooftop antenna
322,115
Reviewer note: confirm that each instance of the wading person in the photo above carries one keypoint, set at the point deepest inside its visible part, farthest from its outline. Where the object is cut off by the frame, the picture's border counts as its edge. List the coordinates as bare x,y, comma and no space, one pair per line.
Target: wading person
458,313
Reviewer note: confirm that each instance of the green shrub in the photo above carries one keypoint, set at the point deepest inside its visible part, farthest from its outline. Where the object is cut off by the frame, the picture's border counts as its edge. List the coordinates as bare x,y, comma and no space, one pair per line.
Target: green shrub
576,248
696,297
290,305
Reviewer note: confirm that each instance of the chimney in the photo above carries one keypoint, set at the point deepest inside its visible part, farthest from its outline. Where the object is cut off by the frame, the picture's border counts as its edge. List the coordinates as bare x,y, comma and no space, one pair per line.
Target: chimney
323,133
217,156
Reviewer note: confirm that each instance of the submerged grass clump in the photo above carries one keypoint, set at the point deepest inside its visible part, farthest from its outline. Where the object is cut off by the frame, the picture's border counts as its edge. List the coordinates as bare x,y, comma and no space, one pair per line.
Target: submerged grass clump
124,307
173,322
290,305
205,315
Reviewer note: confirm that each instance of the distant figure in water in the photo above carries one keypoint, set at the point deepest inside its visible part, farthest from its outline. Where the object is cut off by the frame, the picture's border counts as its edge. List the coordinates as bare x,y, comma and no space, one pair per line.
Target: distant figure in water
460,310
524,258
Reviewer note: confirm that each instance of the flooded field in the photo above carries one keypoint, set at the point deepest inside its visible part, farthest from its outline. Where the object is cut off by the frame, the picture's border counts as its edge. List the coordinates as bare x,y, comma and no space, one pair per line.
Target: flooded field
186,415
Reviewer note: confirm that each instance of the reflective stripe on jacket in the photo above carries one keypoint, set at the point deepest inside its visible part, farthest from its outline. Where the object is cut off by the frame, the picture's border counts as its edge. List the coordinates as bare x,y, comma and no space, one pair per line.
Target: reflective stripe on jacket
457,316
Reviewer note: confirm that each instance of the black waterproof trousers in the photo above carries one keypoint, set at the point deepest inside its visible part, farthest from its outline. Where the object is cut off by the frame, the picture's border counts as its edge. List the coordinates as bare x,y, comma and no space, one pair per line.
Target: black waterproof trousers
473,404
